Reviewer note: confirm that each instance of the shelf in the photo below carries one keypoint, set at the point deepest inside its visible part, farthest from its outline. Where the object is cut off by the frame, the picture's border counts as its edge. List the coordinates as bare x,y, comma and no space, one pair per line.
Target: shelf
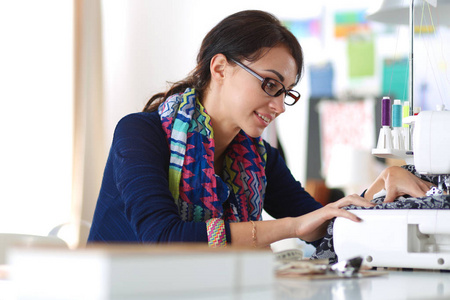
406,155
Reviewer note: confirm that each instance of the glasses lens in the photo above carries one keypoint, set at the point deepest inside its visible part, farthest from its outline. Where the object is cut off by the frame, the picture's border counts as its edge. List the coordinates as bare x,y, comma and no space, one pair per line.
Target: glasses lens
292,97
272,87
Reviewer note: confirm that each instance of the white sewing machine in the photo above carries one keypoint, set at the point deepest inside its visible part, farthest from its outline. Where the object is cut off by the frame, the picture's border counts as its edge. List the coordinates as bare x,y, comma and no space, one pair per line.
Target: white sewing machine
406,238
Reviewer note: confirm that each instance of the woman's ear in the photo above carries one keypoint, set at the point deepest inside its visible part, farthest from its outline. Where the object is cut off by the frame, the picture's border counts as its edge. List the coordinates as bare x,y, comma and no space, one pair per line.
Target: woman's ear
217,67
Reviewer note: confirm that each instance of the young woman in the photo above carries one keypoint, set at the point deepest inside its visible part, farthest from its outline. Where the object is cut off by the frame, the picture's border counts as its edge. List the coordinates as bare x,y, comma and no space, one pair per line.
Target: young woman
192,166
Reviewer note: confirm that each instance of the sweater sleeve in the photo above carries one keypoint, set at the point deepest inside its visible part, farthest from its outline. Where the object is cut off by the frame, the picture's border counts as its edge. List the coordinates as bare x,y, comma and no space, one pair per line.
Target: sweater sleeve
140,172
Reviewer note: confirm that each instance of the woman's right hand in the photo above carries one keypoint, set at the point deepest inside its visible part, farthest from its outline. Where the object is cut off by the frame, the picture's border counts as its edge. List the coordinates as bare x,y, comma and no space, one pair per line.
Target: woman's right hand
312,226
398,182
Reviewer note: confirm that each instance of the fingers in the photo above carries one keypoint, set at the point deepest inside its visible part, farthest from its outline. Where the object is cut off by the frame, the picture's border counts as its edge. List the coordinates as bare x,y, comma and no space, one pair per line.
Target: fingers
391,195
421,188
331,212
416,188
348,215
399,182
336,208
426,186
352,200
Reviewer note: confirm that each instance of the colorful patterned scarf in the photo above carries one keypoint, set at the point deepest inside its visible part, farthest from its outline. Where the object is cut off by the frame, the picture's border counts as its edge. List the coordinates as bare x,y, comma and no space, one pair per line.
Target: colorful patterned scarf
199,193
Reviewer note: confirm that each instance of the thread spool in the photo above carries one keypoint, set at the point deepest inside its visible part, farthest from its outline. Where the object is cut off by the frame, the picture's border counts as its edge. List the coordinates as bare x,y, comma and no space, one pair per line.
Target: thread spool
386,111
406,112
397,113
385,137
406,127
397,136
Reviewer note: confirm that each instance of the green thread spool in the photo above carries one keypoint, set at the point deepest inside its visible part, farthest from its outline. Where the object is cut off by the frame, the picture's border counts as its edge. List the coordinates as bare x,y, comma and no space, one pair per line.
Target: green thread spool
405,112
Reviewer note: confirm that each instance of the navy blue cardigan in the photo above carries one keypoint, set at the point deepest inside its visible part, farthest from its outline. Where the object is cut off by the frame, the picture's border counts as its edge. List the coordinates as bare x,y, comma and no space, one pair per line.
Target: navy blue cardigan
135,204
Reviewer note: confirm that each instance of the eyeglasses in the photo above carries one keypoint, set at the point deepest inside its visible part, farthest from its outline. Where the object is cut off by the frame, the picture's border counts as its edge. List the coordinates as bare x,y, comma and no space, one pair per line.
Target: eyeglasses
273,87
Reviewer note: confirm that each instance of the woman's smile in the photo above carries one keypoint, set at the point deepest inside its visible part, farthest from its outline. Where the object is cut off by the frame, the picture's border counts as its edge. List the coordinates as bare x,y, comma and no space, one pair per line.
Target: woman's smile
264,118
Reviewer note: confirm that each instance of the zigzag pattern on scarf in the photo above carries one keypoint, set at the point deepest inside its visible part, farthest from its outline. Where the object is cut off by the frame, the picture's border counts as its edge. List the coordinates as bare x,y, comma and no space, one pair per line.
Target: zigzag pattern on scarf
200,194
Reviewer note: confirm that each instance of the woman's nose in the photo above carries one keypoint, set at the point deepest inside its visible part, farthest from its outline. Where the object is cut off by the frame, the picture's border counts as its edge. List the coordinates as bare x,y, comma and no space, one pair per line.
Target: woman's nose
277,104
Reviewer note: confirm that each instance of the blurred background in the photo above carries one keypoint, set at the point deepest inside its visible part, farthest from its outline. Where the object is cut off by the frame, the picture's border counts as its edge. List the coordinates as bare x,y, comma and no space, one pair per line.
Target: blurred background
70,69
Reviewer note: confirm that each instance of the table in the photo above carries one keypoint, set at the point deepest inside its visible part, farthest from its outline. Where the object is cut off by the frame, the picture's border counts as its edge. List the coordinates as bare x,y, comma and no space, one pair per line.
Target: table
395,285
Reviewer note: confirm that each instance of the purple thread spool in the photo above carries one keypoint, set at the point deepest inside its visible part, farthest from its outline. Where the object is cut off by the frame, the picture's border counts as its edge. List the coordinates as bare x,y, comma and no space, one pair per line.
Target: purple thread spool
386,111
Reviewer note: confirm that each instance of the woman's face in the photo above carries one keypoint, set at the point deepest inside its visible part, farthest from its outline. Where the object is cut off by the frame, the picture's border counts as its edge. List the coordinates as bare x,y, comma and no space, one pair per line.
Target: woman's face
250,108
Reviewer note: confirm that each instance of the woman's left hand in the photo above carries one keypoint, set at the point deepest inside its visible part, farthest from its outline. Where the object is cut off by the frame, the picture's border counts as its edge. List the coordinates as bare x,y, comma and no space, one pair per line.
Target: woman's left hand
312,226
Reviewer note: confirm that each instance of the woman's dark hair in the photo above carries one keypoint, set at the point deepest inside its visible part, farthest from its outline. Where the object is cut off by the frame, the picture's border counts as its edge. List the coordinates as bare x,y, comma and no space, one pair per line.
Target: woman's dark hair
243,35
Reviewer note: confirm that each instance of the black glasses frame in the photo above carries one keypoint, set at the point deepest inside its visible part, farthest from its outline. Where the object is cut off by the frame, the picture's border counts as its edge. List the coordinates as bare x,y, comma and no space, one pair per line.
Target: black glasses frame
266,80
